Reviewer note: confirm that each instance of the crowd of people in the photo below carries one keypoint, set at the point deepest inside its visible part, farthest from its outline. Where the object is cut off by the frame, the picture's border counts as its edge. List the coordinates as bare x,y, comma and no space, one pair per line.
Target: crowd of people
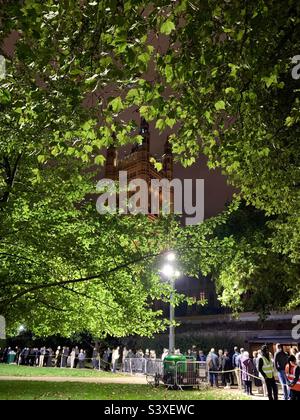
261,370
74,357
44,357
224,368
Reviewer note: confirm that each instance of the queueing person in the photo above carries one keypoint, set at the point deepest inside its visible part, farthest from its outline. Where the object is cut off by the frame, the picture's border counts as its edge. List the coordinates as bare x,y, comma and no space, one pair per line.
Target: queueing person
58,354
42,356
81,359
293,378
234,363
280,361
213,367
220,364
247,367
201,357
73,357
238,370
115,359
95,358
226,368
266,369
257,382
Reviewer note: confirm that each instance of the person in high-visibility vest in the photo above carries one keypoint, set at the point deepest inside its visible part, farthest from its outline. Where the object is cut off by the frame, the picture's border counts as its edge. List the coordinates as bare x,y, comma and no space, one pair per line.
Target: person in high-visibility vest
266,369
293,376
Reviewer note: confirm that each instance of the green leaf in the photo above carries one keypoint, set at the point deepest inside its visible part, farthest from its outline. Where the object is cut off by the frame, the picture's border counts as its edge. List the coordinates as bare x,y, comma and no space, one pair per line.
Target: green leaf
86,126
158,165
100,160
169,73
88,148
170,122
167,27
5,96
144,110
116,104
132,95
220,105
208,116
289,121
160,124
270,80
230,90
41,158
144,58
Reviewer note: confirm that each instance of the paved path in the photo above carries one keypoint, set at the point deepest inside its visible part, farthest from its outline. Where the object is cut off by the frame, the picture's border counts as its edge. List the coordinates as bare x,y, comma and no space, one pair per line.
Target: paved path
126,380
137,380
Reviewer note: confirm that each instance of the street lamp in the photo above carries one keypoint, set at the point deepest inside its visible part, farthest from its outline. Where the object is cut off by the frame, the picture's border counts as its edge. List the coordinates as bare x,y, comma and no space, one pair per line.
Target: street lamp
171,274
171,257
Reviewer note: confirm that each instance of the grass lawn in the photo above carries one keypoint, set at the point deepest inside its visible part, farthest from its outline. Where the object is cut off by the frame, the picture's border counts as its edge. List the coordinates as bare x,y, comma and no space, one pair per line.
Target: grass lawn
19,390
13,370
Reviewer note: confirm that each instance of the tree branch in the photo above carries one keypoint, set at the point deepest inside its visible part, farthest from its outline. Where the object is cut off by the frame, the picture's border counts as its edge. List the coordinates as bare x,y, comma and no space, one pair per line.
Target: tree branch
80,280
48,305
5,254
10,177
87,296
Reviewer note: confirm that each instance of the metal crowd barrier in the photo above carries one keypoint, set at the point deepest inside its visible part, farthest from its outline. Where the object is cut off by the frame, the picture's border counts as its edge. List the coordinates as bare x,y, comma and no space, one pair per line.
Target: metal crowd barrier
142,366
154,367
171,373
190,373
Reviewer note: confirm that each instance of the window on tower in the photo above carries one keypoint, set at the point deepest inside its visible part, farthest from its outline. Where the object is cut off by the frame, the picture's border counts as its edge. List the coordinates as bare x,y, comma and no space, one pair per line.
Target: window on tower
202,295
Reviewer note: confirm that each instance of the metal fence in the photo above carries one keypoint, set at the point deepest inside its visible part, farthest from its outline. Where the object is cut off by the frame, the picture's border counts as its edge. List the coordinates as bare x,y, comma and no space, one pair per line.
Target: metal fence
143,366
190,373
171,373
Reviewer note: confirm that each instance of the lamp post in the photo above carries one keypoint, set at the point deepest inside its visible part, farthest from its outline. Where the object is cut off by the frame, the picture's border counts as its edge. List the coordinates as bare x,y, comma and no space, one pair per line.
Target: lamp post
172,274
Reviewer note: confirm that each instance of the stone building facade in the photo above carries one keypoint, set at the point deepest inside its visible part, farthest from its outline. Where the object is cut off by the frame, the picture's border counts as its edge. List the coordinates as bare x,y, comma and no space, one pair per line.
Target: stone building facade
138,164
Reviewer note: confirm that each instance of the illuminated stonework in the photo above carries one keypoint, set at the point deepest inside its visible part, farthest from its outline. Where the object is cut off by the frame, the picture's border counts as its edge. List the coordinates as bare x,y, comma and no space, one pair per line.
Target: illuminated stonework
138,164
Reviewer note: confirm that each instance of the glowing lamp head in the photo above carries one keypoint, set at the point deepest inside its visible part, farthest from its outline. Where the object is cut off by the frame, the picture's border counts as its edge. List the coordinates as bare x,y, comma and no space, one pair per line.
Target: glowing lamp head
21,329
168,270
171,257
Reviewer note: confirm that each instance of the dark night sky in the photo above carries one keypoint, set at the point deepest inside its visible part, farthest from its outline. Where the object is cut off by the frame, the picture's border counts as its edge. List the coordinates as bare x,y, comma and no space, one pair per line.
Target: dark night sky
217,191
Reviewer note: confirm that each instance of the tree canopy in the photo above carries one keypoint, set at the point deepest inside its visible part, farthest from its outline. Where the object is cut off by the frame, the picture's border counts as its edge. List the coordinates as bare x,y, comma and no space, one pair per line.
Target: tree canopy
216,73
